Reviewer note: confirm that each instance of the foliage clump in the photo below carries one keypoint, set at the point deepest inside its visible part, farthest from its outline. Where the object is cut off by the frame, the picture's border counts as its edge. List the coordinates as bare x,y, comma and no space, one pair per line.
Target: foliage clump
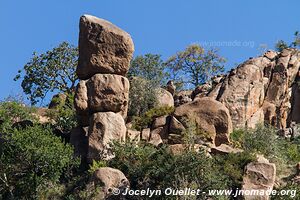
30,160
146,119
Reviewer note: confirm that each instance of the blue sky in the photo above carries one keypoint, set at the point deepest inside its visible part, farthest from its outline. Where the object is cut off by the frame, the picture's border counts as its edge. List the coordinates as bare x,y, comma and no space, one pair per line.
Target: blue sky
237,28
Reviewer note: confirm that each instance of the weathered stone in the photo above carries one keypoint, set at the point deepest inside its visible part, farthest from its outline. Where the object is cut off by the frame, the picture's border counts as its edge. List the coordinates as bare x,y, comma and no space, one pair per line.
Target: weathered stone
201,91
105,127
145,134
242,92
171,87
108,180
270,54
295,114
107,92
103,48
183,97
175,126
159,122
81,99
174,139
164,98
133,135
225,149
42,115
259,175
212,118
256,119
155,137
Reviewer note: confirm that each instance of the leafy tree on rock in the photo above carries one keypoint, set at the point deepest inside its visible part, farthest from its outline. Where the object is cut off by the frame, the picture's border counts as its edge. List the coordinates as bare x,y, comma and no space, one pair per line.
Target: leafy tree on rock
194,65
49,72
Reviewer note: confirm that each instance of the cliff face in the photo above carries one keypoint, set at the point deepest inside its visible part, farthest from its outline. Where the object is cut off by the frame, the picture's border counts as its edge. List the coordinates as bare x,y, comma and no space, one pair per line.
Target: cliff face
262,89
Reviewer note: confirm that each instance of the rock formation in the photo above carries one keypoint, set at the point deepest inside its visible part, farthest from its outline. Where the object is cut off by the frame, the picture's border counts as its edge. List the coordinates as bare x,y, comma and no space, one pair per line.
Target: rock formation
101,98
262,89
211,118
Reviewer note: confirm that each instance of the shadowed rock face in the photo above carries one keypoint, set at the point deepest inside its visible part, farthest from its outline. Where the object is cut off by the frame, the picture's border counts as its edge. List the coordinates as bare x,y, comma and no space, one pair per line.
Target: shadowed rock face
103,48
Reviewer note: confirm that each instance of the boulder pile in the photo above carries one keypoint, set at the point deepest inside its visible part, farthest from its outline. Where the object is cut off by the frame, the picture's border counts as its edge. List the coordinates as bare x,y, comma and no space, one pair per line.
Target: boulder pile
101,98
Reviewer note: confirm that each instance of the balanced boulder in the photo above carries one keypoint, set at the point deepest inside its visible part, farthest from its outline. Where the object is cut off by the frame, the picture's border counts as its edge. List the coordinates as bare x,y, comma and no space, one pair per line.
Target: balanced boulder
103,48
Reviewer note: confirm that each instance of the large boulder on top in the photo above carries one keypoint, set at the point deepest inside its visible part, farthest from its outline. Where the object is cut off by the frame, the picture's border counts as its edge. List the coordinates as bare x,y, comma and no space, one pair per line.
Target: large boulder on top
105,127
164,98
103,48
212,118
107,92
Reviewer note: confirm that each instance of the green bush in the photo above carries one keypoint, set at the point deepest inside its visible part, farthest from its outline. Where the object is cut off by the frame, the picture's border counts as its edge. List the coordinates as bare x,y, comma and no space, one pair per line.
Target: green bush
14,111
148,167
141,96
146,119
30,160
64,114
232,165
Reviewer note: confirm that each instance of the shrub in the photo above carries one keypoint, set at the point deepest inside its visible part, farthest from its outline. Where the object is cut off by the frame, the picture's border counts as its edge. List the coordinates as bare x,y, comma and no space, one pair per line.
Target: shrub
64,114
148,167
146,119
141,96
14,111
30,160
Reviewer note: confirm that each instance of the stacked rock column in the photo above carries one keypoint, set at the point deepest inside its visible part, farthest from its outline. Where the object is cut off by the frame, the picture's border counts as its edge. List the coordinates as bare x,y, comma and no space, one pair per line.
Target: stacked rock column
101,98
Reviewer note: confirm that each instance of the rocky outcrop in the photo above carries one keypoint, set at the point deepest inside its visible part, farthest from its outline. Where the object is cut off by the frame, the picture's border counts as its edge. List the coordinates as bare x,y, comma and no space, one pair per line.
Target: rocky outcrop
103,48
211,118
101,97
262,89
259,175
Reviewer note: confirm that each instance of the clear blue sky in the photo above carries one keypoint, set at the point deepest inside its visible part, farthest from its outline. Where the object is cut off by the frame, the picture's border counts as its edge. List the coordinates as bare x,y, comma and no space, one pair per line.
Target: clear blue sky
156,26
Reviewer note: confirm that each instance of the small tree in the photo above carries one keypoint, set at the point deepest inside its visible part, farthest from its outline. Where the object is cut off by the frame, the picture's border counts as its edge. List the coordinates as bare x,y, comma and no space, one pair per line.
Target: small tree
280,45
149,67
49,72
194,65
146,73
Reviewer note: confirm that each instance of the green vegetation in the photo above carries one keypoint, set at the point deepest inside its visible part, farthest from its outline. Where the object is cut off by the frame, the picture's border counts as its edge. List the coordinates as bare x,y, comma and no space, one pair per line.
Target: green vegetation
50,72
149,167
280,45
146,74
146,119
64,114
31,159
194,65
